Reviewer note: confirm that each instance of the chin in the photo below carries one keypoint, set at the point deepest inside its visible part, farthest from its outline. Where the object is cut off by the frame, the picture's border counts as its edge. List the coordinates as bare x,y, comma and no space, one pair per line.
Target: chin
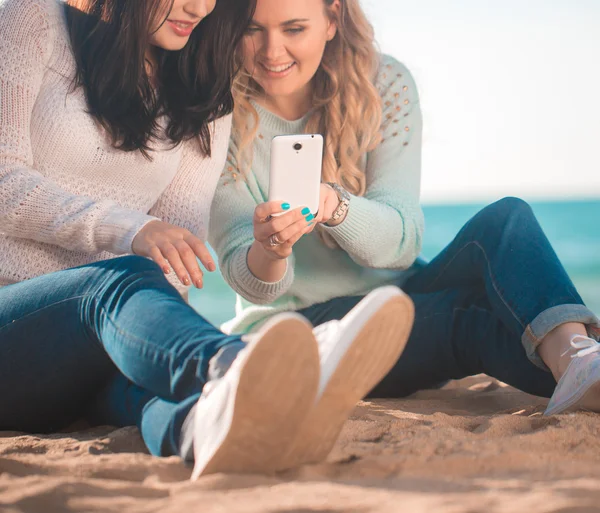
280,90
173,46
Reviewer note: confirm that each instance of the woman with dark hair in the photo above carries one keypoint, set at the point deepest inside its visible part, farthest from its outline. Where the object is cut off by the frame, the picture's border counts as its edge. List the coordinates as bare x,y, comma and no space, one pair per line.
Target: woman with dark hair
114,124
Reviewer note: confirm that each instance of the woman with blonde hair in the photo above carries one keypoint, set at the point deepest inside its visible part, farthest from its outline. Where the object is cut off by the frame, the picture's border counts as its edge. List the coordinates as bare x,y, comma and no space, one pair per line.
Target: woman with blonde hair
496,300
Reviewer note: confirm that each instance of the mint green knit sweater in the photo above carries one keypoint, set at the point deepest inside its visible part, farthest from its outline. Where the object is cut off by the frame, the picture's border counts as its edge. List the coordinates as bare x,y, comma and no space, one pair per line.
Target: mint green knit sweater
378,241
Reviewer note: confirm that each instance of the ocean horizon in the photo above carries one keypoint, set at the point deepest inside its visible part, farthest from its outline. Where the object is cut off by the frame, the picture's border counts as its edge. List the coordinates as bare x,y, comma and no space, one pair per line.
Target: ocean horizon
573,228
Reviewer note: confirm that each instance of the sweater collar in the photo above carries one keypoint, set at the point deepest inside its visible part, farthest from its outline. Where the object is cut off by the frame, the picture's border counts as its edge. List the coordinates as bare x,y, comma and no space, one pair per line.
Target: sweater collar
274,124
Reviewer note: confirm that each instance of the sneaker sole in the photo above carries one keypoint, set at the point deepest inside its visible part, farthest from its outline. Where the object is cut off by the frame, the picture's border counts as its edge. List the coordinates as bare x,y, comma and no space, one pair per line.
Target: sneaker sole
275,392
372,354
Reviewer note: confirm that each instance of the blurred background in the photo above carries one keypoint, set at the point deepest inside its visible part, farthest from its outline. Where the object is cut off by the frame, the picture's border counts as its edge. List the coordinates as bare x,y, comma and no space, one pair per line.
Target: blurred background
511,106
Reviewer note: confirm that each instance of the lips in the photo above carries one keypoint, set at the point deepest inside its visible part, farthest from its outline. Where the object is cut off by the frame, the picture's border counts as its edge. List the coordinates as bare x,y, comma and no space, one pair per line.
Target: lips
182,28
278,69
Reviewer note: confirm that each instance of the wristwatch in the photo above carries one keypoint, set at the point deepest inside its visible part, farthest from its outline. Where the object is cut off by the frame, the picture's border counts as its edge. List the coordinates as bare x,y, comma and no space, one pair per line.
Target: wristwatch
344,205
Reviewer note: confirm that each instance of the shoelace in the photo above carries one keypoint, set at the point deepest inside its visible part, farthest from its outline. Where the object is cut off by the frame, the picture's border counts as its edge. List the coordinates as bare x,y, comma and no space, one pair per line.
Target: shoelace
583,345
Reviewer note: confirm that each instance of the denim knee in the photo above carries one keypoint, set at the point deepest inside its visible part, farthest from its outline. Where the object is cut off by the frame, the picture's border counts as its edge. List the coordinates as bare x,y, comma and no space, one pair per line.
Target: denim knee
122,270
135,264
508,207
506,213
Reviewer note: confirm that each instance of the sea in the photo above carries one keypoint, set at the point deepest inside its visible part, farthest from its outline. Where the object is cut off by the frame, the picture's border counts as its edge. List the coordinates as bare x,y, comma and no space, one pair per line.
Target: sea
573,228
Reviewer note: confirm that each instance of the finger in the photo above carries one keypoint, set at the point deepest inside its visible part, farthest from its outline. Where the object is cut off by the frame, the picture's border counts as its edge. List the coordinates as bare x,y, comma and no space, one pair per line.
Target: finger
279,224
296,238
310,228
263,211
188,258
202,253
172,255
158,257
297,228
283,251
263,231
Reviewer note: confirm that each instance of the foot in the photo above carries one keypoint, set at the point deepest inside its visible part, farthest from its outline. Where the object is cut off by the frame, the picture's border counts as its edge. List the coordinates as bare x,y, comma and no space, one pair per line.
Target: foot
356,354
245,420
579,386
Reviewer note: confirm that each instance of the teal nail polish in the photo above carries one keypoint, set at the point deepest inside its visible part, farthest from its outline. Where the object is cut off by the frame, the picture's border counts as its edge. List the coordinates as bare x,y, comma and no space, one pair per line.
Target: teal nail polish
310,217
286,206
305,211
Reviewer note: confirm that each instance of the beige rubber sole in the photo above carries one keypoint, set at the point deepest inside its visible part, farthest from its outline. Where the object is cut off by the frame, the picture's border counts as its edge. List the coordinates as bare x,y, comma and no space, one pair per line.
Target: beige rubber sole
373,353
273,397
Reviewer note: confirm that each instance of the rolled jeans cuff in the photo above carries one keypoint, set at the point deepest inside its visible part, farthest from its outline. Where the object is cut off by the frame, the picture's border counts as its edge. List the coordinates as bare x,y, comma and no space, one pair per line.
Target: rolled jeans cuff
549,319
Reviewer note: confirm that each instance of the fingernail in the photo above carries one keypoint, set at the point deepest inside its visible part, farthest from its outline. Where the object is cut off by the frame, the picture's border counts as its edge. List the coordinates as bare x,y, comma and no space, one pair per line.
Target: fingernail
306,211
186,281
212,267
286,206
310,217
166,270
199,284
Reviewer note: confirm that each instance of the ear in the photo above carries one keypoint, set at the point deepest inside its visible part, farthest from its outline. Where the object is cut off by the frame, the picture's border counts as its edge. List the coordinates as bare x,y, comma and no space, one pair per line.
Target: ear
332,28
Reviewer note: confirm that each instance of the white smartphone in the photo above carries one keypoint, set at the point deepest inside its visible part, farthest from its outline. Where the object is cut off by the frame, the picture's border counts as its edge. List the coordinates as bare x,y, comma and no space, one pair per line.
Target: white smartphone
295,173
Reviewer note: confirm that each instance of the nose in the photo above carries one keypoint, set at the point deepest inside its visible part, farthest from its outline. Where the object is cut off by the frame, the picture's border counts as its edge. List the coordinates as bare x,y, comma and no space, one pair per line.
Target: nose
199,8
273,47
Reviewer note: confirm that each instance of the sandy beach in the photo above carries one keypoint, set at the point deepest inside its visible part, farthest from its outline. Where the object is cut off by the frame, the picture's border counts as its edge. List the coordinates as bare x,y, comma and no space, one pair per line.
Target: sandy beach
476,445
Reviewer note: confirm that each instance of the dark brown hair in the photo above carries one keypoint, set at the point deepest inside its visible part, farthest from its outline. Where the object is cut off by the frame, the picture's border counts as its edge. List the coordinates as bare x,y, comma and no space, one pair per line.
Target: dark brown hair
192,87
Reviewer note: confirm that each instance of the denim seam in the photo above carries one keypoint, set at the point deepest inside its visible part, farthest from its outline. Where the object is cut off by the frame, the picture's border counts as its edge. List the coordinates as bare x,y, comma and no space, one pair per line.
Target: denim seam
44,308
493,280
163,354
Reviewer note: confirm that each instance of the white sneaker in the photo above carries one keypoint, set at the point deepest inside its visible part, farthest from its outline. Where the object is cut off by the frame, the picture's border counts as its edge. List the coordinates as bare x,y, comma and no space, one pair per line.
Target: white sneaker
245,420
579,386
356,354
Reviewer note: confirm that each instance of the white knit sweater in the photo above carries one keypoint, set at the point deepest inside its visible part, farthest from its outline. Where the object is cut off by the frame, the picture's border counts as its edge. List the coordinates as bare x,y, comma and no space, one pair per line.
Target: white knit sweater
67,198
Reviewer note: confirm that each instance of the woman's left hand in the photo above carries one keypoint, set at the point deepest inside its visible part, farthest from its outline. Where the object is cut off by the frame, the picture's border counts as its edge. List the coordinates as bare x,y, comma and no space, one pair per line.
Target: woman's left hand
328,202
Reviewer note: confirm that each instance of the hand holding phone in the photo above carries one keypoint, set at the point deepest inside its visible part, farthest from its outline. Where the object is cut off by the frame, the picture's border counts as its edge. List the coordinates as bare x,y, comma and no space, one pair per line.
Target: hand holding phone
295,172
277,228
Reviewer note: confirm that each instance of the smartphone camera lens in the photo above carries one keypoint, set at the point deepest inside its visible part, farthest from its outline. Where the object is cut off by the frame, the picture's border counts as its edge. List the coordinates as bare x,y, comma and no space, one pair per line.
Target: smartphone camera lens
297,146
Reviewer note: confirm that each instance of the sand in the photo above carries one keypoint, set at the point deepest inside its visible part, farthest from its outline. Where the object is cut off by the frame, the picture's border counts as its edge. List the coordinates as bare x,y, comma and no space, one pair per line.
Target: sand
475,446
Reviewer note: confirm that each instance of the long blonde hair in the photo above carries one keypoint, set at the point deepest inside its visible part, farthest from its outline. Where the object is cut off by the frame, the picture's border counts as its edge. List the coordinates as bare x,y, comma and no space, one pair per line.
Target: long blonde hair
347,106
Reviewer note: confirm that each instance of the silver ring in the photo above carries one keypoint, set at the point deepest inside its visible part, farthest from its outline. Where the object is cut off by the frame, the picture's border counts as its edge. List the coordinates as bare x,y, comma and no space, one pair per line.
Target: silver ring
274,241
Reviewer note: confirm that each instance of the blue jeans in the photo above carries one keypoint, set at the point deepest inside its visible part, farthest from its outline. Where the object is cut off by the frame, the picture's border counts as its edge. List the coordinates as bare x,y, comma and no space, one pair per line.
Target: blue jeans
482,305
111,340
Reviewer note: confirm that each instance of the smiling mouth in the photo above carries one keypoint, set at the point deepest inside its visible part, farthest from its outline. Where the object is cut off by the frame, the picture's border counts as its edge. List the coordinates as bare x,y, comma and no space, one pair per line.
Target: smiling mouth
181,24
278,69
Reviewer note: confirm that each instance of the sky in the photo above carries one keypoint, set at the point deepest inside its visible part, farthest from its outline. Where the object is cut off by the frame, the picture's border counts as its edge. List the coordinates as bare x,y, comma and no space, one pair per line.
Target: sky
510,92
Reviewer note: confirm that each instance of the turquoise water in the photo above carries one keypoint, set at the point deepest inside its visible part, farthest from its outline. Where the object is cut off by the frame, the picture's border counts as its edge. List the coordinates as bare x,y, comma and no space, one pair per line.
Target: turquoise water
572,227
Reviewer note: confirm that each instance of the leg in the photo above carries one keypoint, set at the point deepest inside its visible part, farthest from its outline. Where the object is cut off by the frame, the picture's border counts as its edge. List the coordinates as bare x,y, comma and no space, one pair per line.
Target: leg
124,307
62,334
121,403
456,334
504,251
248,413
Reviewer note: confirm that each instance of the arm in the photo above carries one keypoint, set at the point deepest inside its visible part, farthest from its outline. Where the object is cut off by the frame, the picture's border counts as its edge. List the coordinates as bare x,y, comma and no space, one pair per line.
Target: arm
185,203
384,228
31,206
232,236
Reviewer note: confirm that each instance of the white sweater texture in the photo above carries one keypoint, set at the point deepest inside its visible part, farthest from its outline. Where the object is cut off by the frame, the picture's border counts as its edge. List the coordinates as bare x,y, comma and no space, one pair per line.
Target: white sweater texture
67,197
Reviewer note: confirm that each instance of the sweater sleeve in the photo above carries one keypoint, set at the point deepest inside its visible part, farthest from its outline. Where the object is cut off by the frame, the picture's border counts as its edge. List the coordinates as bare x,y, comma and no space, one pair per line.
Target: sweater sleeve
231,234
32,206
384,228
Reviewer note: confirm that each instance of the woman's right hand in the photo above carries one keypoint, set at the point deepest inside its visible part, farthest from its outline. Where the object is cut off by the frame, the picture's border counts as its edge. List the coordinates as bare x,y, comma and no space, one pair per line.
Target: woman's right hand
277,235
168,244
